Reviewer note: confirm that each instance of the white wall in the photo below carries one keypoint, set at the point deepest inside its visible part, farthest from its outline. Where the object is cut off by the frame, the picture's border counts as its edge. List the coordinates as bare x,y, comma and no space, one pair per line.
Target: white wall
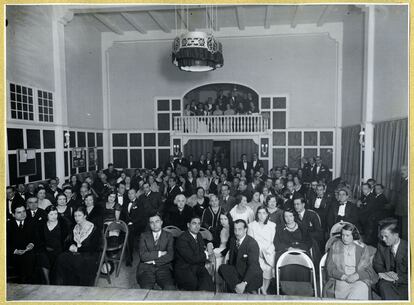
302,66
391,64
30,46
83,75
353,69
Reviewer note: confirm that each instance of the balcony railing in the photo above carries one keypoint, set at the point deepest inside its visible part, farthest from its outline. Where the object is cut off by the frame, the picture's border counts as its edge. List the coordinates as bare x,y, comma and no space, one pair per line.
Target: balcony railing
216,124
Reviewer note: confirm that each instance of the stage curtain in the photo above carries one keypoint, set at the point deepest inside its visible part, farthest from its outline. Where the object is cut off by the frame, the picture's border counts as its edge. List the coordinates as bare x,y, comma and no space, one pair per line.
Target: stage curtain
239,147
198,147
391,152
350,159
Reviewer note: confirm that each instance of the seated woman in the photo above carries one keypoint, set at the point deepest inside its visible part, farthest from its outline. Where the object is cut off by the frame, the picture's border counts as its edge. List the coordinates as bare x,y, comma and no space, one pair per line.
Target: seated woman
275,213
211,216
199,202
263,231
241,210
255,203
51,237
65,212
349,267
112,209
292,237
43,202
202,181
190,185
94,212
221,235
78,265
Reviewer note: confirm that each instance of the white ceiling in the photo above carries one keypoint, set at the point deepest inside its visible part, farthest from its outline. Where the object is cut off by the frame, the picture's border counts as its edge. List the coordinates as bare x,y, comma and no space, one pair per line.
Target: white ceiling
166,18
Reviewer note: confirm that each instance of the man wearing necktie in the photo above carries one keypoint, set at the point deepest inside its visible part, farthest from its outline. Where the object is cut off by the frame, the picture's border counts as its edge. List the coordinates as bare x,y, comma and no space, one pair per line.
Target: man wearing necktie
34,212
321,204
391,264
242,272
20,245
342,210
156,253
133,215
189,270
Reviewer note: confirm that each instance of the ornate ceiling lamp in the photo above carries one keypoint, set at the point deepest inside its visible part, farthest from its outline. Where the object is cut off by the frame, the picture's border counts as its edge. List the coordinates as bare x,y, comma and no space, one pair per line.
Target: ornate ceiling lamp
196,51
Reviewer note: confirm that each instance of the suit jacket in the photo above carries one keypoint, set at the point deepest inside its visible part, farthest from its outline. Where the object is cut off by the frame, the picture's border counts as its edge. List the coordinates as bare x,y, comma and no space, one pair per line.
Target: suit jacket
323,208
179,219
228,204
351,214
96,217
200,165
148,251
309,172
40,216
383,261
17,199
151,203
311,223
182,162
136,214
19,238
401,207
368,204
189,254
240,165
324,173
246,260
171,193
258,165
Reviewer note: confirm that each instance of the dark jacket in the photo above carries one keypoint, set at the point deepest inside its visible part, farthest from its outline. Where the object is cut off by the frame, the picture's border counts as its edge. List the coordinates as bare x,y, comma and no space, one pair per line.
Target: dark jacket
148,251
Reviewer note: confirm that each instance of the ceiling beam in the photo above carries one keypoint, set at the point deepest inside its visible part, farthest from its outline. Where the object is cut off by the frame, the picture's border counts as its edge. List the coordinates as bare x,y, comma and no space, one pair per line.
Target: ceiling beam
324,15
109,24
159,20
240,17
94,9
295,18
268,16
128,17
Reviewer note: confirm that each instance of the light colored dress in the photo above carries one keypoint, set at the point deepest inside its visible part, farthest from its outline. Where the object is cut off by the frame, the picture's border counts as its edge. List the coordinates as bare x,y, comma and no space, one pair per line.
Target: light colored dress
203,182
264,235
43,204
247,215
254,206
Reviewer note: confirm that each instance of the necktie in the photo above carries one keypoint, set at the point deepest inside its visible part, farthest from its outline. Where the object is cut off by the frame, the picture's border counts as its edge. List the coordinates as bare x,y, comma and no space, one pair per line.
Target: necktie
300,216
393,251
33,213
157,236
21,225
237,243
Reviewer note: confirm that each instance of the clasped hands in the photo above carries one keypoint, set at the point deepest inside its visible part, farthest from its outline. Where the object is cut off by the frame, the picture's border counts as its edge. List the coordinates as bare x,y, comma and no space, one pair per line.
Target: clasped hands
389,276
350,278
29,247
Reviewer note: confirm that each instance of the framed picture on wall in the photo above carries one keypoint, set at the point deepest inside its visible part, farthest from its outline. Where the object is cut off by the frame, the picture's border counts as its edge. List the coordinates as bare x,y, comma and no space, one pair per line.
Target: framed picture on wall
26,162
78,157
92,157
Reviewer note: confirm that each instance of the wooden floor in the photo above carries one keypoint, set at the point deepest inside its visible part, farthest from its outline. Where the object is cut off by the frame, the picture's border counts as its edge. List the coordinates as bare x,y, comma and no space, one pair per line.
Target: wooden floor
18,292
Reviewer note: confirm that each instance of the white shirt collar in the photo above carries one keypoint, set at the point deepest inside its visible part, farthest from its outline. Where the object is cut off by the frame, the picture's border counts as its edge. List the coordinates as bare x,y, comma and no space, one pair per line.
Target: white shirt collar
18,222
242,239
155,234
193,235
395,247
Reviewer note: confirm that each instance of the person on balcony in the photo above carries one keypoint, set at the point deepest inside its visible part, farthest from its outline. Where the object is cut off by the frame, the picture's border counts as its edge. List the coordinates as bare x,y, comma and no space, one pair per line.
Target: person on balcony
217,110
229,110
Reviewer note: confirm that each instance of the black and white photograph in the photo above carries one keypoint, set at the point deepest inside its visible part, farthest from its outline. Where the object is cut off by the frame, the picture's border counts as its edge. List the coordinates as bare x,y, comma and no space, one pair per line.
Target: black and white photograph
207,152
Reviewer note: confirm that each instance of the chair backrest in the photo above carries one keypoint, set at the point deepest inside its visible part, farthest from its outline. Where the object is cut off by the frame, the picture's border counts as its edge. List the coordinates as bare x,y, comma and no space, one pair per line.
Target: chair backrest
206,234
116,225
322,264
295,257
175,231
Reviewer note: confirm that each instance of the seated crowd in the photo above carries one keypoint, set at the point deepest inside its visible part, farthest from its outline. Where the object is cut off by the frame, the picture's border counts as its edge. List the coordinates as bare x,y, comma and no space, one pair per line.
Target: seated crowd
232,104
54,235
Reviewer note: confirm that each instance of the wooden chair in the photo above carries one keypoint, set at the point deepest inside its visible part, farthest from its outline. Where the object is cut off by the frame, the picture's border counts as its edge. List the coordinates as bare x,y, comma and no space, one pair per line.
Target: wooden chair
206,234
113,253
175,231
295,257
322,266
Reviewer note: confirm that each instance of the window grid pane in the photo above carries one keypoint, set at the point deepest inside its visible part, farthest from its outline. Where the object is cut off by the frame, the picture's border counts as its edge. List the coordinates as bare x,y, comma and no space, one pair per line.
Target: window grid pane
21,101
45,101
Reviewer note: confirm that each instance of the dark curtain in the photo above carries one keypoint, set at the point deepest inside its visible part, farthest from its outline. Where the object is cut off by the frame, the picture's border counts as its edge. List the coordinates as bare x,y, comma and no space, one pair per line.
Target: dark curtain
239,147
391,152
350,155
198,147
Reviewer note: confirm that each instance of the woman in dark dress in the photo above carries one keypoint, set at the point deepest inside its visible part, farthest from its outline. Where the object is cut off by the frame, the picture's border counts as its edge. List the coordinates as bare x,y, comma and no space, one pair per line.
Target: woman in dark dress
94,212
190,185
110,209
51,237
292,237
65,212
79,263
75,184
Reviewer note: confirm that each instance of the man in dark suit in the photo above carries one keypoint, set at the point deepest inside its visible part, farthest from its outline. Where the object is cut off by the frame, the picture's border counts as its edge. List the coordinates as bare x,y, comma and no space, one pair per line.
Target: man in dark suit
34,213
342,210
172,191
180,161
189,270
244,164
121,193
227,202
12,199
256,164
151,201
309,221
191,164
111,173
242,273
133,215
391,264
156,251
20,244
309,170
170,164
320,204
322,171
401,207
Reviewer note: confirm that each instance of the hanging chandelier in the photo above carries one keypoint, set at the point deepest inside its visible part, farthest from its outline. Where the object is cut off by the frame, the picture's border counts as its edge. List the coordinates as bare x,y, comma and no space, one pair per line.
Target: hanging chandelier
197,51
